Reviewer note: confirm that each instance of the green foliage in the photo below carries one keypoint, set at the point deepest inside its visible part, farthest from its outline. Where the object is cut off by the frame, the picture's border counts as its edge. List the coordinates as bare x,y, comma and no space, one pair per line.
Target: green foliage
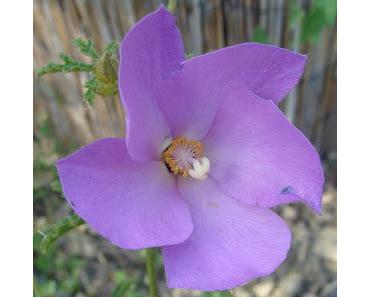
259,35
295,14
126,286
313,23
47,289
95,86
91,87
86,47
51,263
57,230
329,8
103,70
104,80
56,186
122,288
69,65
46,184
111,47
322,13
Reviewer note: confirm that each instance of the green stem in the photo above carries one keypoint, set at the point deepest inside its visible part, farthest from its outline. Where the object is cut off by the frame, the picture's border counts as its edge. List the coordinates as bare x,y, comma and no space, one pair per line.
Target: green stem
171,6
59,229
152,274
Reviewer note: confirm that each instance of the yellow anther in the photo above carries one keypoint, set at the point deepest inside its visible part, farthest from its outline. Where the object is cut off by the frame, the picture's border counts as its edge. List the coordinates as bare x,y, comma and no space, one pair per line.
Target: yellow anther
181,154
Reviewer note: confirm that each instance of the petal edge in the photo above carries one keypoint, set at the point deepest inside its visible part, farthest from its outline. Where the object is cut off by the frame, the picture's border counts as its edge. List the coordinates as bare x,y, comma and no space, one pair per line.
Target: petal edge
232,243
131,204
259,157
150,51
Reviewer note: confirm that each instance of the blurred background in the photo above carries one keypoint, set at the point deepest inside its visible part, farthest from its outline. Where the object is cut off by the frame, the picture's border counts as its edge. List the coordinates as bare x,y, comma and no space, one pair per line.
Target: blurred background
81,263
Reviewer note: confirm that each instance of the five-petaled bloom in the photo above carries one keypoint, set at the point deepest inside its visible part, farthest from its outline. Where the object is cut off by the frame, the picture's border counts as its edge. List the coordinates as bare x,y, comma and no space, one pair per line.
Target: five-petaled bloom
206,155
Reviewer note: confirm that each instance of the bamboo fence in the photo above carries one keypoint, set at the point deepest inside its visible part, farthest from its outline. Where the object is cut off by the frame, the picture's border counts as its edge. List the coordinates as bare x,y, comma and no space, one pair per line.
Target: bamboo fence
206,26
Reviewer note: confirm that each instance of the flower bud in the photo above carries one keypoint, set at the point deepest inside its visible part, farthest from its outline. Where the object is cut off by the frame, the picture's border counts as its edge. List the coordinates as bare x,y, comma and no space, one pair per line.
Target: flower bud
105,69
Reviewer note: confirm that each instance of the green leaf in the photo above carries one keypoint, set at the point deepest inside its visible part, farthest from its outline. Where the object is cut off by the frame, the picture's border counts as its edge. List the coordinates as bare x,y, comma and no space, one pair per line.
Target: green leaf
259,35
111,47
313,24
122,288
70,65
90,90
57,230
329,8
321,14
45,289
86,47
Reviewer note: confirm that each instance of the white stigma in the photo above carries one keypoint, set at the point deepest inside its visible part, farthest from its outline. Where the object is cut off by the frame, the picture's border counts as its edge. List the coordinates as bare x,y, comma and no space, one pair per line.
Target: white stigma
200,169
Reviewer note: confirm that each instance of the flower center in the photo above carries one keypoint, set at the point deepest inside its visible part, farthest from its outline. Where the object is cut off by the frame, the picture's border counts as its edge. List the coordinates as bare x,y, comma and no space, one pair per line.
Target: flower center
186,157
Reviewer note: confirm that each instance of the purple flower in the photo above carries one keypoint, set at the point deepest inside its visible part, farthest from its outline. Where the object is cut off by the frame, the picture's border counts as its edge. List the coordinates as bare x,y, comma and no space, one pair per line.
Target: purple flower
207,153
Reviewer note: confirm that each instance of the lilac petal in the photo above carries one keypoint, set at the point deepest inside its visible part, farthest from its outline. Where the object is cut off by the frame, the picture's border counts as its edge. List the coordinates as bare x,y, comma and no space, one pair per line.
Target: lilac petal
259,157
195,91
149,52
134,205
232,242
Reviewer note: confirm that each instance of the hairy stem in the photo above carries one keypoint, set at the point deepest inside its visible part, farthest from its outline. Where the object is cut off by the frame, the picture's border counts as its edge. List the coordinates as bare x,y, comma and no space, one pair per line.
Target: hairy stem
59,229
151,271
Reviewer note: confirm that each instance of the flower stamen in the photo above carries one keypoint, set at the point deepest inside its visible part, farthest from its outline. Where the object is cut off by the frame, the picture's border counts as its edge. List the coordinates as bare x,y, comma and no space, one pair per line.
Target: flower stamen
185,157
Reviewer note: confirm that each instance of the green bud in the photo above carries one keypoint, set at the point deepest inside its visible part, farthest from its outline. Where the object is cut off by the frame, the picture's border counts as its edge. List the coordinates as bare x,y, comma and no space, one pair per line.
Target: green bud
105,69
107,88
